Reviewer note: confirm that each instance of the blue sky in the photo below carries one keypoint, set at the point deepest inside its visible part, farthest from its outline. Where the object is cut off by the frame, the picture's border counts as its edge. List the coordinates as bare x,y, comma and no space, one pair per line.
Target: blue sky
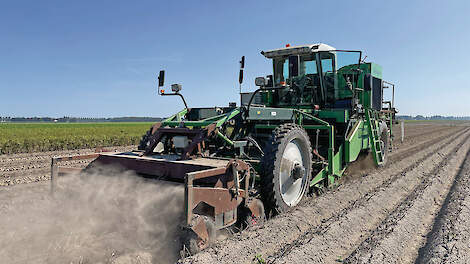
101,58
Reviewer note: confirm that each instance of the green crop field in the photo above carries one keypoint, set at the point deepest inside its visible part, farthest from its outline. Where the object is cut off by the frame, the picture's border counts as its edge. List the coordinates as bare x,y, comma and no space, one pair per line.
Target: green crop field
30,137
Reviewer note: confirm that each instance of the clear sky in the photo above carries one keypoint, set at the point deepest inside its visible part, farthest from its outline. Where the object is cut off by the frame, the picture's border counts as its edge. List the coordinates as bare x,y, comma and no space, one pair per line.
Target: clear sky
101,58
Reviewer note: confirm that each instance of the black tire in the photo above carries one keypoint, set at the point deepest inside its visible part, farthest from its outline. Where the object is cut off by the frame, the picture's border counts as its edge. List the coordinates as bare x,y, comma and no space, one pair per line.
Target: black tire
271,167
385,138
145,140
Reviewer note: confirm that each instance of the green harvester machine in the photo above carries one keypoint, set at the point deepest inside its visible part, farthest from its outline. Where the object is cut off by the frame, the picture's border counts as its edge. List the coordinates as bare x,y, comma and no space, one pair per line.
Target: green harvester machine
294,135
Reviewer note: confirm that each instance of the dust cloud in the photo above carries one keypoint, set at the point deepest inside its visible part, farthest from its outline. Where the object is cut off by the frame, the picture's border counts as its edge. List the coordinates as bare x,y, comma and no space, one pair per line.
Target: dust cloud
360,167
107,217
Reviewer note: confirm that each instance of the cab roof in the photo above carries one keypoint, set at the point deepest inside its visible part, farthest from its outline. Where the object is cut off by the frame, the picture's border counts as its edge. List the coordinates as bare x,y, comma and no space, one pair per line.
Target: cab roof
297,50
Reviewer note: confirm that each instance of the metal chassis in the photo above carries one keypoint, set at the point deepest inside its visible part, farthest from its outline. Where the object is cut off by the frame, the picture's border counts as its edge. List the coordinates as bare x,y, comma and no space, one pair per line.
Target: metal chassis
330,173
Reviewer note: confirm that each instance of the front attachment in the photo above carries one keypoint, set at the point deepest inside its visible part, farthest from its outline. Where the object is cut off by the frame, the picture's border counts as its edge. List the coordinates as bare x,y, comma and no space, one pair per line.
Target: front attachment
211,207
215,189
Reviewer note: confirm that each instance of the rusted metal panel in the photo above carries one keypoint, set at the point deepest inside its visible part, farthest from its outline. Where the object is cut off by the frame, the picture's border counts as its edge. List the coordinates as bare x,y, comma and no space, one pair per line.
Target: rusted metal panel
209,181
201,231
224,196
207,173
207,162
54,175
152,167
221,199
76,157
55,169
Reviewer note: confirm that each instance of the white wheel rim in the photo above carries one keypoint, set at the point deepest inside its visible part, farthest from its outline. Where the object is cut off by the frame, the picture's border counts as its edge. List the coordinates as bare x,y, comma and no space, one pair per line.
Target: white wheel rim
292,189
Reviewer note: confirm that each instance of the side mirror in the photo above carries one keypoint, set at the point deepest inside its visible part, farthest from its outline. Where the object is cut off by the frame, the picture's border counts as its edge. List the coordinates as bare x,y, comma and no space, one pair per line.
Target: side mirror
260,81
161,78
242,67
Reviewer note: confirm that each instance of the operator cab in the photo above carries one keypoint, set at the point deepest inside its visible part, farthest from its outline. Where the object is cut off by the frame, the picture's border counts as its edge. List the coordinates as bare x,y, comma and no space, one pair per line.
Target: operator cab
315,74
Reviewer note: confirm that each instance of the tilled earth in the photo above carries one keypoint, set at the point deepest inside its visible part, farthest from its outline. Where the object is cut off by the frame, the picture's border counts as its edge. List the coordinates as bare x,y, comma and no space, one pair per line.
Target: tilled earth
416,209
35,167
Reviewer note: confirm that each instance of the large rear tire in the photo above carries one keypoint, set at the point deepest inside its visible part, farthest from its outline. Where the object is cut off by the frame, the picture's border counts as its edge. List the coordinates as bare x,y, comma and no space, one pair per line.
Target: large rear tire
286,168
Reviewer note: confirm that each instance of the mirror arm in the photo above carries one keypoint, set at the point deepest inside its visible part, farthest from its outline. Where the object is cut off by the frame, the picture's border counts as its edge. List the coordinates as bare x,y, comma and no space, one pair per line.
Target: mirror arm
184,101
180,95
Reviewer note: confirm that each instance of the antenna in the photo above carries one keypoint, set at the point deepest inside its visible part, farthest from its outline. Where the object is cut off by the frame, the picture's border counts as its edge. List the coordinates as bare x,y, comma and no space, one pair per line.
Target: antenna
364,60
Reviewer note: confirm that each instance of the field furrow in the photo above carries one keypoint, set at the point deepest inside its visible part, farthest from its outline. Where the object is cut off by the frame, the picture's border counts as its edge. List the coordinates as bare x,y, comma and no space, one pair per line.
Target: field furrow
415,209
34,167
399,236
333,240
449,239
319,229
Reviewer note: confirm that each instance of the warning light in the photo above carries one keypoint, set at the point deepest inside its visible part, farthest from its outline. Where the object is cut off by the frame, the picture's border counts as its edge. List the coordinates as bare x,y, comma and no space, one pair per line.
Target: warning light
162,91
287,45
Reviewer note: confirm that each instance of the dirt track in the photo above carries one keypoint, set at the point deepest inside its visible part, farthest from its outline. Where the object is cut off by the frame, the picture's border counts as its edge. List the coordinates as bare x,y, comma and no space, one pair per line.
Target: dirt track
416,209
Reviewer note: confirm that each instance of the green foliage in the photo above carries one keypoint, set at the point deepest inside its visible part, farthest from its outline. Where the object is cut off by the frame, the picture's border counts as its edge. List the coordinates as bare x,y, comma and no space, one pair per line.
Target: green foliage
259,259
18,138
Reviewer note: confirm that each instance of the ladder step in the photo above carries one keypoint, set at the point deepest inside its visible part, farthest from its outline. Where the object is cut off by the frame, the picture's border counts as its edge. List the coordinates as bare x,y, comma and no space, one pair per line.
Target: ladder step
375,144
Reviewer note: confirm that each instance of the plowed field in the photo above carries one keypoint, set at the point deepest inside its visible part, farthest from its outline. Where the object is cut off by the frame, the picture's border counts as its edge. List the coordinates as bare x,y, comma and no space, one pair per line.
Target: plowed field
414,210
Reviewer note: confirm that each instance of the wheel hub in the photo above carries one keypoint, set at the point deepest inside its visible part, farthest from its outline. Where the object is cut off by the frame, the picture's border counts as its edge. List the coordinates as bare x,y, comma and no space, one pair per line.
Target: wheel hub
292,175
298,171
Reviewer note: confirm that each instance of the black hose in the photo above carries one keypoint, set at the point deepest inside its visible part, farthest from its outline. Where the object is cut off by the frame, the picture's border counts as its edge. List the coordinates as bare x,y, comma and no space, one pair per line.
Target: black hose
255,92
253,141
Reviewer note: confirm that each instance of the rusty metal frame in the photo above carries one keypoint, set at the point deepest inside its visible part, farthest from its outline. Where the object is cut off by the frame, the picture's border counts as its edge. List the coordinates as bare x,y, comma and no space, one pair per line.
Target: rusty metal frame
56,170
222,198
216,185
200,229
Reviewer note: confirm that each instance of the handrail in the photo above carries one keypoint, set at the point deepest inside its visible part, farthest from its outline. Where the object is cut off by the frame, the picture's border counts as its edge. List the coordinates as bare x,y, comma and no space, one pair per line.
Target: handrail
313,118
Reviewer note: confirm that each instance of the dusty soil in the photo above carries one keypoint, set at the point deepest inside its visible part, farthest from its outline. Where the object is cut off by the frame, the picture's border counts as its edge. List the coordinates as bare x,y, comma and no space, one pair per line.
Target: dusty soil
449,239
389,215
416,209
110,217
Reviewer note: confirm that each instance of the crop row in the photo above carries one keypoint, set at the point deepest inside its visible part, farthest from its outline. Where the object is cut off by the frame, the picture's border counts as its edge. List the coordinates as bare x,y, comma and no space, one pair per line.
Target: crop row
18,138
